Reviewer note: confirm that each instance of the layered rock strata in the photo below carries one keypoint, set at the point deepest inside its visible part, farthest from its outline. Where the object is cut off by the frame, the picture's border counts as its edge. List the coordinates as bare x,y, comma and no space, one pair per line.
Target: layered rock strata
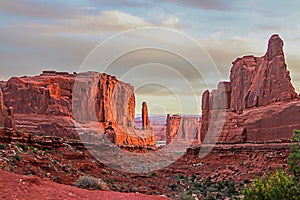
259,104
55,103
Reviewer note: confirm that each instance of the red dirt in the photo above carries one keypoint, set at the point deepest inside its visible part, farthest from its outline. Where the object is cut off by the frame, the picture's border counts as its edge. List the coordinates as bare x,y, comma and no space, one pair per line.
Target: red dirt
14,186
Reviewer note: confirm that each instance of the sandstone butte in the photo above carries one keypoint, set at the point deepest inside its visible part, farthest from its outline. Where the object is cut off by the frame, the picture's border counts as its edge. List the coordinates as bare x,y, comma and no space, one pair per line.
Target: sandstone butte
71,105
258,104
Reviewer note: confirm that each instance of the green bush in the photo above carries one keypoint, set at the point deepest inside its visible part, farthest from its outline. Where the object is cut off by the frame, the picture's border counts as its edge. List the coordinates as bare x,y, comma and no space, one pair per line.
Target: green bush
294,158
2,147
88,182
278,185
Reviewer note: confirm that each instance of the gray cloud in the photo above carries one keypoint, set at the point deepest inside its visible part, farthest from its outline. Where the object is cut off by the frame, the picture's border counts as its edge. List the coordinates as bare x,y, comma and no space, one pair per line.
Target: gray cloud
125,3
30,52
203,4
38,9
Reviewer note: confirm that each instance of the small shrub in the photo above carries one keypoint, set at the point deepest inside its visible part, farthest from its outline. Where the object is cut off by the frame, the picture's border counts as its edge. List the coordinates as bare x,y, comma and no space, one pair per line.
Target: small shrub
185,196
193,178
56,162
2,146
23,146
88,182
56,179
52,166
181,176
35,150
18,158
28,173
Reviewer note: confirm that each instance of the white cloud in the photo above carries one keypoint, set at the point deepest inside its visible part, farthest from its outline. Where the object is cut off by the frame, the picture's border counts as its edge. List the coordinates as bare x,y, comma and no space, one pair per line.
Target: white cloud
171,22
112,20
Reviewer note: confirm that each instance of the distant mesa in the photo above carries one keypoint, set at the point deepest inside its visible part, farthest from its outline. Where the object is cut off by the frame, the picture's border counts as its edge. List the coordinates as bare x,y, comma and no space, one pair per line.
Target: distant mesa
43,104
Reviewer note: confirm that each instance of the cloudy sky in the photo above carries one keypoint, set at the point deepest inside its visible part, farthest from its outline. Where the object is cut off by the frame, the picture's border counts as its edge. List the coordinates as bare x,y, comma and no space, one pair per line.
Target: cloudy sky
190,50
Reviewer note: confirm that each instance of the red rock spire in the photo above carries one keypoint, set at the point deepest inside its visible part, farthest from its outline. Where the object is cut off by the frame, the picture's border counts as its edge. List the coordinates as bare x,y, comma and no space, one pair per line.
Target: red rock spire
145,116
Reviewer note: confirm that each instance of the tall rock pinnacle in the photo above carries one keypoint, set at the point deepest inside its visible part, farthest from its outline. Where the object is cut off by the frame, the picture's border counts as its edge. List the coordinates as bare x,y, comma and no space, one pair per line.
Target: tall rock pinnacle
145,116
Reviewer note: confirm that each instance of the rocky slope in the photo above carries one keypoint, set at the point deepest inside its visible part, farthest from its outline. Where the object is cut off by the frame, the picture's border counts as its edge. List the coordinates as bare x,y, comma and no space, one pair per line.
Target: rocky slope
69,105
259,104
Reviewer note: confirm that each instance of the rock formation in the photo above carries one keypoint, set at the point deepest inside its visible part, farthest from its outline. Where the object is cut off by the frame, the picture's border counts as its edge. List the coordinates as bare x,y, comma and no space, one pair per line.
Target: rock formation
261,81
145,116
173,124
6,114
51,102
259,104
184,128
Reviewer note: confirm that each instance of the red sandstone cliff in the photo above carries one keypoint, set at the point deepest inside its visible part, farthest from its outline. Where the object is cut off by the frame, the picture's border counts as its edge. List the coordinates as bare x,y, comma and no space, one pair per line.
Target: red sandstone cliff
51,102
259,104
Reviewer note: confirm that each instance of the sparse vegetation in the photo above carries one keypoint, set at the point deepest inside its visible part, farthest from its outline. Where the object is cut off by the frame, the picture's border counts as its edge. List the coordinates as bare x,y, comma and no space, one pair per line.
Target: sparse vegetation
188,188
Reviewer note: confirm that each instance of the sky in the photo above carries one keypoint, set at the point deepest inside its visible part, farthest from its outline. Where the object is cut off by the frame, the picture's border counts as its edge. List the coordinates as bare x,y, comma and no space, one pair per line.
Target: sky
169,50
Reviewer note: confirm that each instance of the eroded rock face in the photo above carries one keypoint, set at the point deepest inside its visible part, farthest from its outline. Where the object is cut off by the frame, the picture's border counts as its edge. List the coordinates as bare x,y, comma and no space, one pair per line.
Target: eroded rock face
173,124
6,114
246,108
183,128
145,116
259,81
51,102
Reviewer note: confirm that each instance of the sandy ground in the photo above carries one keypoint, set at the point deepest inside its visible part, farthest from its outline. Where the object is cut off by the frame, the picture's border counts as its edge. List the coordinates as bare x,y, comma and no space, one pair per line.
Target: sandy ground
17,187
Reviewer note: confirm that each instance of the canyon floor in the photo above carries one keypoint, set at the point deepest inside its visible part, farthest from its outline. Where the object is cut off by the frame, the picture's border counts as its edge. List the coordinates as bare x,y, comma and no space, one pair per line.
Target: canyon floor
63,162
